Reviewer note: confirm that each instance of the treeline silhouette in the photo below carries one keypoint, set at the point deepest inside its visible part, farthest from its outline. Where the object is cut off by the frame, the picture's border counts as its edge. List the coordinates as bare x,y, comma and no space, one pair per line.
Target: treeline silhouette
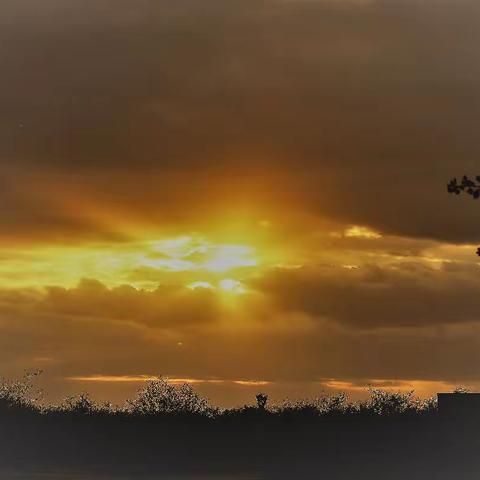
160,397
169,429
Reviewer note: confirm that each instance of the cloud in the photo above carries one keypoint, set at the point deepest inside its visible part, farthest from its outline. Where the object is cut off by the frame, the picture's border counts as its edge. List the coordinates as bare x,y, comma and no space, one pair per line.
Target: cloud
404,311
371,296
316,105
163,308
83,336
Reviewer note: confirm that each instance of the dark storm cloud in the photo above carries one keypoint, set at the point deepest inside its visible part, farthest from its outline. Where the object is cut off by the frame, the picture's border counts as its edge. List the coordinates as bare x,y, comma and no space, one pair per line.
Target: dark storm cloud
351,101
163,308
372,296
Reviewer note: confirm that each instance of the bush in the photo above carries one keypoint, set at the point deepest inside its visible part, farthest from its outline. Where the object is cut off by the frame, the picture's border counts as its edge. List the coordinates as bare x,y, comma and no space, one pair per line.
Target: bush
20,394
262,400
80,404
383,402
324,405
461,390
161,397
297,408
332,405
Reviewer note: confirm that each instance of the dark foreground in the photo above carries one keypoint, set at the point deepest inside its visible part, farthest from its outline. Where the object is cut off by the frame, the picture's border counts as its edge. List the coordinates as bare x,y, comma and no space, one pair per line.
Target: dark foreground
245,447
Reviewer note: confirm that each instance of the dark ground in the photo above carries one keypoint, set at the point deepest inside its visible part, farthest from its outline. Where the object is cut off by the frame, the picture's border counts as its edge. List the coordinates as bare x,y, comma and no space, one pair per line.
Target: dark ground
243,447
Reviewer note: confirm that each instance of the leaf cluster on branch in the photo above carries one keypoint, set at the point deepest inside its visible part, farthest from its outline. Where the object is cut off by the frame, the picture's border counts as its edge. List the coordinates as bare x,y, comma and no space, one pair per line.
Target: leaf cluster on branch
471,187
468,186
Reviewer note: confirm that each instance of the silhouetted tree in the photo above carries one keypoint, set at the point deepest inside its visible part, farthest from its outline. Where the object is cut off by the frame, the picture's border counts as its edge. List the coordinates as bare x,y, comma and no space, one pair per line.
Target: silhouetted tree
161,397
384,402
80,404
262,399
20,394
461,390
468,186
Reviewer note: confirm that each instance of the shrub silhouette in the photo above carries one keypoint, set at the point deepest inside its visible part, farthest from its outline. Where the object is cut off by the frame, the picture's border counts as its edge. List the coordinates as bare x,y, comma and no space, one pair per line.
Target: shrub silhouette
80,404
20,394
161,397
335,404
262,399
383,402
321,406
461,390
297,408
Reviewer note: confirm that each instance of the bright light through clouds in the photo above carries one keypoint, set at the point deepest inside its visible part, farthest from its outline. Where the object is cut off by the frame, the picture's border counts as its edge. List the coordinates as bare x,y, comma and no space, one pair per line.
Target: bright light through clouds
190,253
228,285
206,285
361,232
232,286
195,261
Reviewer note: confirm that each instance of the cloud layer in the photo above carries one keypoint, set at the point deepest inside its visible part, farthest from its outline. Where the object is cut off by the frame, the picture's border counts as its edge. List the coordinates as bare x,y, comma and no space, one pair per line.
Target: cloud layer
324,105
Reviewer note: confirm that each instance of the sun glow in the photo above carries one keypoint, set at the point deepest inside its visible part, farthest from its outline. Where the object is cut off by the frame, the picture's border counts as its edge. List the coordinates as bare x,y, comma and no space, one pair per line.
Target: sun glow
190,254
357,231
232,286
190,260
228,285
195,285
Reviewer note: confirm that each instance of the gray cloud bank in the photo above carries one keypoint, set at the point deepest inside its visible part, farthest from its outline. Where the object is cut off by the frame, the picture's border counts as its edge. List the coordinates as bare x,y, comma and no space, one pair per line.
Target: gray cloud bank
340,102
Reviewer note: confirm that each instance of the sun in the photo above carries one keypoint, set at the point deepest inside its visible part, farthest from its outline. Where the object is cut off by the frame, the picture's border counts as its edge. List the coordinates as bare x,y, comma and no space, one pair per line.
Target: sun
232,286
189,253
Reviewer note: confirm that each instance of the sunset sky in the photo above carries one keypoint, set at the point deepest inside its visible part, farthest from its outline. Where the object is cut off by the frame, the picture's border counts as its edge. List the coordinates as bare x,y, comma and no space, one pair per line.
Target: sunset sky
247,194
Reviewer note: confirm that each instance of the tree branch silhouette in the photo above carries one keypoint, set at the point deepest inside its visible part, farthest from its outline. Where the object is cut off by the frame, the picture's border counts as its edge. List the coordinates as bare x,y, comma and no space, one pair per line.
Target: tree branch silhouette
468,186
471,187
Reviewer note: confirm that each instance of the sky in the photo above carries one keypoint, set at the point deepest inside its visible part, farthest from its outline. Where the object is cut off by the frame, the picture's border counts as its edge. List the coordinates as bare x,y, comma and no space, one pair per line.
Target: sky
245,194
